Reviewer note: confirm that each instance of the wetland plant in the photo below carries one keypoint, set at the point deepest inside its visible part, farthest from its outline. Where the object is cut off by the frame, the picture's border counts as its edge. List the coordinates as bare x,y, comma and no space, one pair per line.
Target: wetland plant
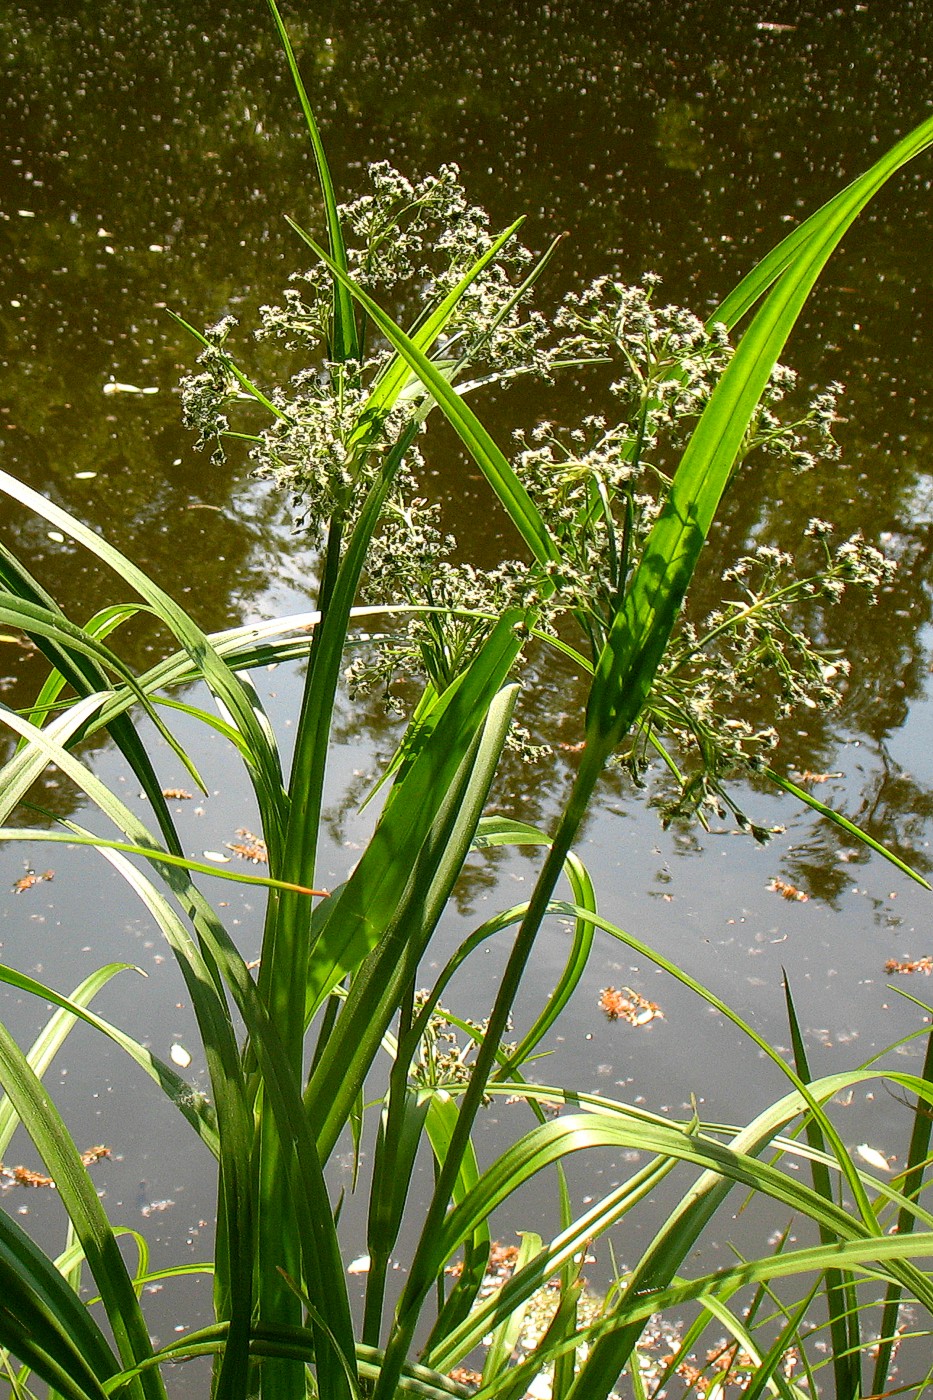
610,518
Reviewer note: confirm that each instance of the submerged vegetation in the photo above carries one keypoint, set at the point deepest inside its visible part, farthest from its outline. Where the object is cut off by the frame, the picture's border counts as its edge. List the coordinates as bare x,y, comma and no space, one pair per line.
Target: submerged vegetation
342,1039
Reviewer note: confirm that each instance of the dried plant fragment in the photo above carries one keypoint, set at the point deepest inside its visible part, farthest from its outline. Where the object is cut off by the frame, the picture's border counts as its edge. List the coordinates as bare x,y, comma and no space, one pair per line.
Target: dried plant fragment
177,795
95,1154
27,881
626,1005
251,848
924,965
23,1176
789,891
464,1376
807,777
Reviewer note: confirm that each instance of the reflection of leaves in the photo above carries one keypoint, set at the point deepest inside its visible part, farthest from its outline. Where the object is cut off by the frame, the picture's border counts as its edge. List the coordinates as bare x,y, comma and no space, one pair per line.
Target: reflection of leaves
679,136
894,810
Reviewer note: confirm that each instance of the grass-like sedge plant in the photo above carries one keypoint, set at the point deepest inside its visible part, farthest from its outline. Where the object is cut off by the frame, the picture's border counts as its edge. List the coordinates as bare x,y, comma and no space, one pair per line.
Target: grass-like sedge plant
607,543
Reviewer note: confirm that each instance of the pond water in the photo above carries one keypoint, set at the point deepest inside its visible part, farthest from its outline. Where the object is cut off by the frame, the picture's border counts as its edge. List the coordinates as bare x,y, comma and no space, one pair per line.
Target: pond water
149,153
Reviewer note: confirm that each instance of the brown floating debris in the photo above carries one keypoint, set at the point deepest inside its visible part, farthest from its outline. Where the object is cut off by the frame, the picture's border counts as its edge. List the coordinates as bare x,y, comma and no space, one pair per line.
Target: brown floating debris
27,881
626,1005
464,1376
25,1176
502,1260
252,848
155,1207
95,1154
177,794
789,891
924,964
807,777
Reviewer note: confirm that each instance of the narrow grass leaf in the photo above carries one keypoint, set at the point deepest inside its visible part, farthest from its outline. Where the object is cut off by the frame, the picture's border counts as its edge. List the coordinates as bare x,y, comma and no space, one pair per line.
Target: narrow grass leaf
346,341
917,1160
756,283
190,1103
39,621
365,905
54,1034
72,837
849,827
839,1300
44,1125
432,869
500,831
505,1336
85,677
263,765
641,628
44,1323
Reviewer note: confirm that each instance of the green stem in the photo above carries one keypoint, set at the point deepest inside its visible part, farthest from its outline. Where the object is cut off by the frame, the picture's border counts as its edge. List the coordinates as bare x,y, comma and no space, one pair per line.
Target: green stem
421,1276
913,1180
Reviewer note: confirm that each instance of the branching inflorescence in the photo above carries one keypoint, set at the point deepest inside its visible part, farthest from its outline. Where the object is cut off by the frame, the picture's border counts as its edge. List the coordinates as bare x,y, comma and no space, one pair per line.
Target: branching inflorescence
598,486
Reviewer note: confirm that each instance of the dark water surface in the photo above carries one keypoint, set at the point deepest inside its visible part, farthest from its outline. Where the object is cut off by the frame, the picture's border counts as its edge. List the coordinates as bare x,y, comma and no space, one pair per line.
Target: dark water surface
149,153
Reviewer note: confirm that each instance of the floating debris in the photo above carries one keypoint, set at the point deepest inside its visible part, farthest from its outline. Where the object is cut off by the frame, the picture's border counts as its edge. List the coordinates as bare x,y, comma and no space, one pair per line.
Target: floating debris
872,1157
360,1265
179,1056
155,1207
502,1260
626,1005
924,965
27,881
251,848
807,777
95,1154
464,1376
25,1176
113,386
789,891
177,795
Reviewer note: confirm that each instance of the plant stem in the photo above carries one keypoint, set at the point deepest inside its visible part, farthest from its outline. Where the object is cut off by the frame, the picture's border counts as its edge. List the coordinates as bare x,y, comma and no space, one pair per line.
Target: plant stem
421,1276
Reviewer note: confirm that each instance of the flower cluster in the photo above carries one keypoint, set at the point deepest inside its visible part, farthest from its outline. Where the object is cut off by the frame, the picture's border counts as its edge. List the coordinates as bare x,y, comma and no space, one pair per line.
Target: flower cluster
669,361
441,1062
449,607
758,643
402,237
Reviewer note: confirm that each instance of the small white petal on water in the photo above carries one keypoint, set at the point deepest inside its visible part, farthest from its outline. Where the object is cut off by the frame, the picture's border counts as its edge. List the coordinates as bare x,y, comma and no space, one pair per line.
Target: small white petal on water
56,535
113,386
179,1056
84,476
359,1266
873,1157
218,856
